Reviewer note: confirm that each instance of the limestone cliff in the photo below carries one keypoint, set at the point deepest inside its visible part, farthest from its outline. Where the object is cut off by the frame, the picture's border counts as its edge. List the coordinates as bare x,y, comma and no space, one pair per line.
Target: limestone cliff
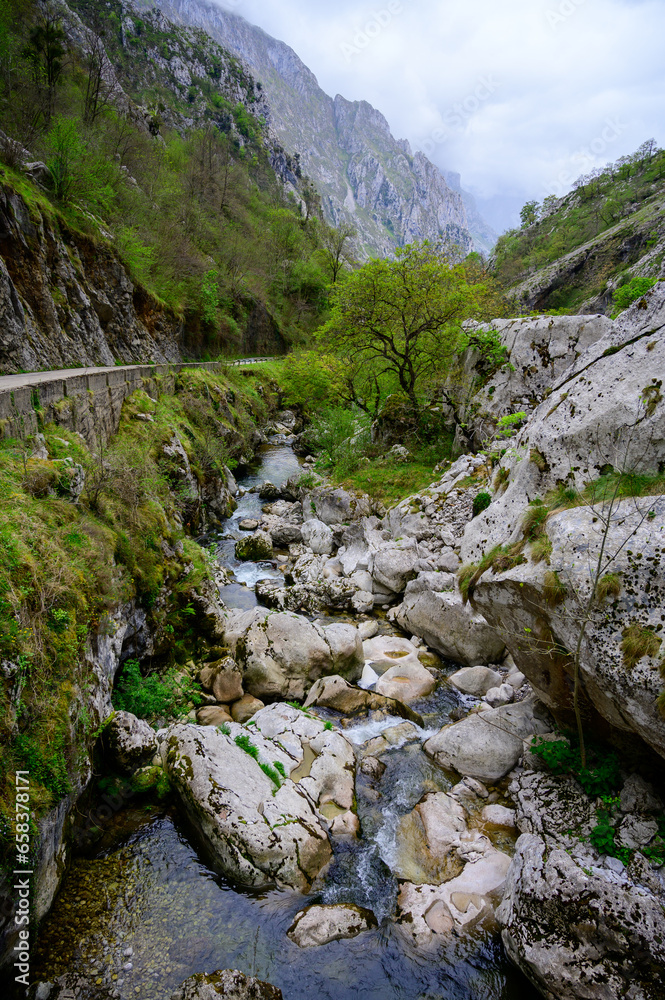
365,176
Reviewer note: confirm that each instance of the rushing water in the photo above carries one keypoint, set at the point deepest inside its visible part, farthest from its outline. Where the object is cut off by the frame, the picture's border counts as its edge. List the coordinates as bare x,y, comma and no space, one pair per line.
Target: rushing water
277,463
144,912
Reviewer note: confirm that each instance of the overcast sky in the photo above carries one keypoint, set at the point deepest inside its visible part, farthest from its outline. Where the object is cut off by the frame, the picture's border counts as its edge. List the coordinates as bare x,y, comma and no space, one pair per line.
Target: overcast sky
519,96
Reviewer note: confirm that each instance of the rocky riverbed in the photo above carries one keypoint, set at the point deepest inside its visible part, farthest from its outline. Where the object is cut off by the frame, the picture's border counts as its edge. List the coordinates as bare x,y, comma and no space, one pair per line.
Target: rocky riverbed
358,807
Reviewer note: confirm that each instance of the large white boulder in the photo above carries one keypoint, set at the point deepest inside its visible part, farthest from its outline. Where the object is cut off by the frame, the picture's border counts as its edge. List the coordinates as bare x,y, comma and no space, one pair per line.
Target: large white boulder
452,628
394,564
487,745
257,834
430,912
317,536
282,653
259,794
406,682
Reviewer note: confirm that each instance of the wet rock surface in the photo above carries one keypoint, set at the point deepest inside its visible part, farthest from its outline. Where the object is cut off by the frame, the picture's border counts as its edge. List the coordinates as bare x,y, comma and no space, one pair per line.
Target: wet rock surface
260,828
229,983
319,925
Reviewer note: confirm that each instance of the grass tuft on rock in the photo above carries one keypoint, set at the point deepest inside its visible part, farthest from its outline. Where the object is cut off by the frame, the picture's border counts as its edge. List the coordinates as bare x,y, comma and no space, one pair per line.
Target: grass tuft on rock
638,641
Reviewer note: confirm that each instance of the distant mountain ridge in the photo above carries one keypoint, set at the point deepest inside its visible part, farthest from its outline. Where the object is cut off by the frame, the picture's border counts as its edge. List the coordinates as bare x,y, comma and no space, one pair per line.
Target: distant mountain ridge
365,176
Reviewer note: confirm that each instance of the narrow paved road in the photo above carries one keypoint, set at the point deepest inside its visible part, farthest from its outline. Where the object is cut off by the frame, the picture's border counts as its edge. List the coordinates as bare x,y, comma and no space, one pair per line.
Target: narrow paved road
32,378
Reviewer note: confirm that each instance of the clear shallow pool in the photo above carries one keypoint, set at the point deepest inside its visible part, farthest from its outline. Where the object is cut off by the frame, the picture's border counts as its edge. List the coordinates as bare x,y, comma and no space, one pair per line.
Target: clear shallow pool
150,893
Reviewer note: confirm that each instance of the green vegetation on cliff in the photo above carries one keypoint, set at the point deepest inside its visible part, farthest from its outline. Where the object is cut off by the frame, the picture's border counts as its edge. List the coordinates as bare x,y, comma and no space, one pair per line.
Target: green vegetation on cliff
575,252
177,177
83,536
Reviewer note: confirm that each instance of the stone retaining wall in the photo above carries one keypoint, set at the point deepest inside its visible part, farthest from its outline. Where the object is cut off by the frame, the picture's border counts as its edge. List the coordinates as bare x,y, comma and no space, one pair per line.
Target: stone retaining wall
89,403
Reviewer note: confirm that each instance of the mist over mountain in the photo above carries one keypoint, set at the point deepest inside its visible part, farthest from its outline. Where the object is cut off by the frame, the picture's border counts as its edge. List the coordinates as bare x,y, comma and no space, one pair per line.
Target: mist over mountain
365,176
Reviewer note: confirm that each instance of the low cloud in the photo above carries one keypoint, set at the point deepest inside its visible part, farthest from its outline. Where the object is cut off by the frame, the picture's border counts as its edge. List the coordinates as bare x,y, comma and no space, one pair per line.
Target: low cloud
513,96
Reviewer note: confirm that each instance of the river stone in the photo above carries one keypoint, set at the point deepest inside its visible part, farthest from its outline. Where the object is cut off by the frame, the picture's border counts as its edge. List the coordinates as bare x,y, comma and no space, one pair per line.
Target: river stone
230,984
255,547
452,628
282,654
394,564
334,692
248,524
581,931
487,745
331,773
282,532
130,741
257,834
328,778
362,602
224,679
213,715
317,925
426,912
503,694
427,838
336,505
476,681
385,651
247,706
406,682
496,815
317,536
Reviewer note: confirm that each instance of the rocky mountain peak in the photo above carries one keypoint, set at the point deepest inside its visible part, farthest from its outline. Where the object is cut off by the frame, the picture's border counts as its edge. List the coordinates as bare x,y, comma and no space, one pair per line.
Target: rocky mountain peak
365,176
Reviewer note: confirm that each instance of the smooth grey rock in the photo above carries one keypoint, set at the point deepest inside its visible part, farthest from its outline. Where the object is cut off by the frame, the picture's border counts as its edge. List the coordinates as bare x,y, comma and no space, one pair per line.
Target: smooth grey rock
131,741
503,694
394,564
336,506
487,745
319,924
452,628
406,682
475,680
317,536
427,912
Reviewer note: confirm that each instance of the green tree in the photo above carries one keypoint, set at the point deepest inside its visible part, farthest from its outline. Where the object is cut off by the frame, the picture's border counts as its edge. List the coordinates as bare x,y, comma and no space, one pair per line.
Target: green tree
337,254
46,51
398,323
529,214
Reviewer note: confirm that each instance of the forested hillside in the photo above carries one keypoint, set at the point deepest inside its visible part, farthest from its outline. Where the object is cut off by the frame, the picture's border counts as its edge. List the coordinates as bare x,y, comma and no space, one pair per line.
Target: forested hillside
152,141
573,253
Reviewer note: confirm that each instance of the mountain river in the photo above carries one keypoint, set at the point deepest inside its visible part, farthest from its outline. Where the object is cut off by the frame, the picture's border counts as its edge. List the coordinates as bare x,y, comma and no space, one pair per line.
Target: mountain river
143,911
